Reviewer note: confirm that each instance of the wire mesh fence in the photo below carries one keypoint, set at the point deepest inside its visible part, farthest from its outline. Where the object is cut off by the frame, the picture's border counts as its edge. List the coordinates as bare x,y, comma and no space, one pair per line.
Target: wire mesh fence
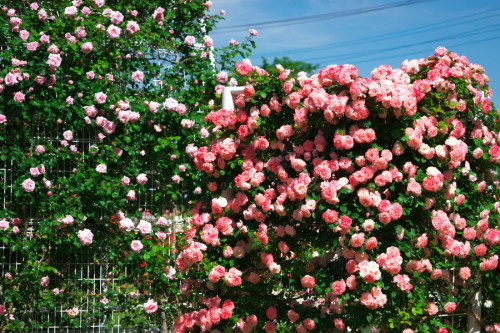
87,274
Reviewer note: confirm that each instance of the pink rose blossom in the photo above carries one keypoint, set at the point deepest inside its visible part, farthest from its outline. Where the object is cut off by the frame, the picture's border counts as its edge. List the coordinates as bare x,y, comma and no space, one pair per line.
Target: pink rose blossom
464,273
271,313
116,17
24,35
28,185
308,281
101,168
87,47
19,97
144,227
190,40
132,27
100,98
113,31
150,306
137,76
85,236
136,246
44,281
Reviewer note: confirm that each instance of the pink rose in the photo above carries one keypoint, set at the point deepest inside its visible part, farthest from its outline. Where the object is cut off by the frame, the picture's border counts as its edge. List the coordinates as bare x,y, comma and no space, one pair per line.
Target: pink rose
116,17
150,306
208,41
100,97
190,40
144,227
24,35
42,15
85,236
113,31
99,3
222,77
136,246
54,61
308,281
87,47
10,79
68,135
19,97
101,168
464,273
44,281
137,76
70,11
33,46
131,195
170,104
450,307
253,32
432,308
141,179
132,27
243,68
28,185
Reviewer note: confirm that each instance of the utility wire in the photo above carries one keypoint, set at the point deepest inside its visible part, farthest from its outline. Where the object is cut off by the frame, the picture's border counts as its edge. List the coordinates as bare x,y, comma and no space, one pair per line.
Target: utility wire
316,18
371,52
402,33
424,51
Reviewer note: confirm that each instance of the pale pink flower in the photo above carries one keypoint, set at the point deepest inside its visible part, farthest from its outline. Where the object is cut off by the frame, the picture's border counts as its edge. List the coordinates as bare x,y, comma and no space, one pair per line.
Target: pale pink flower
190,40
136,246
87,47
113,31
144,227
19,97
24,35
28,185
116,17
137,76
100,98
132,27
431,308
44,281
85,236
464,273
141,179
101,168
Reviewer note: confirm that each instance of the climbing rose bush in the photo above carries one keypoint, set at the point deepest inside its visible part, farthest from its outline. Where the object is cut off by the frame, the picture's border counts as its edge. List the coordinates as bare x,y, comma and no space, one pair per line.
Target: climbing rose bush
340,202
98,99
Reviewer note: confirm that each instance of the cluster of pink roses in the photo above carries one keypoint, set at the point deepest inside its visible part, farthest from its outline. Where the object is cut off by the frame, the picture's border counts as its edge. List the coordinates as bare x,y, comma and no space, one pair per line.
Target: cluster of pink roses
205,318
334,153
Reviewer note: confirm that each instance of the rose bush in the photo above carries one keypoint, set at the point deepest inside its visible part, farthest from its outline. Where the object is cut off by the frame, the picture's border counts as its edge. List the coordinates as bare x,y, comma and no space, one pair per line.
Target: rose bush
346,202
98,100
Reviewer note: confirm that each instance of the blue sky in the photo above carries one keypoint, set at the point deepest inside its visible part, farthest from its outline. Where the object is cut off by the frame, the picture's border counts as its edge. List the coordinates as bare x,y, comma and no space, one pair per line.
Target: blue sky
404,29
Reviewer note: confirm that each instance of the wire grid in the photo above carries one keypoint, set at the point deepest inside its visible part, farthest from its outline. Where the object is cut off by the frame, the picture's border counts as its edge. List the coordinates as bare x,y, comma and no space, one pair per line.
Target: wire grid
90,275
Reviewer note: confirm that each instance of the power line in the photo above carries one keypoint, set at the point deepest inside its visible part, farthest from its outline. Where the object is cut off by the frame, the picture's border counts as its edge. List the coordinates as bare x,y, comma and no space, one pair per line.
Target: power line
382,50
321,17
423,51
402,33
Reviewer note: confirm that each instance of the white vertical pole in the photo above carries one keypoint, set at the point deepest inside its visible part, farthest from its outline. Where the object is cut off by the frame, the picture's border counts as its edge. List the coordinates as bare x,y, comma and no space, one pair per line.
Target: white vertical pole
227,96
473,325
